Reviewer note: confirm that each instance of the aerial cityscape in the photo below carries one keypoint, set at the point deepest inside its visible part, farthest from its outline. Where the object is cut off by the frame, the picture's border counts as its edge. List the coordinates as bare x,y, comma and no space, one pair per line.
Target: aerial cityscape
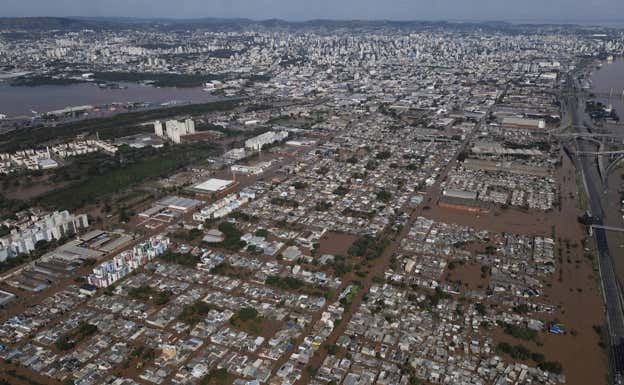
211,201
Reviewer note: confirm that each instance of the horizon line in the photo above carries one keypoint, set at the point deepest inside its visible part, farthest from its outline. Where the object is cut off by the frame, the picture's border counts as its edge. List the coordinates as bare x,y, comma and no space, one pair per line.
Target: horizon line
295,20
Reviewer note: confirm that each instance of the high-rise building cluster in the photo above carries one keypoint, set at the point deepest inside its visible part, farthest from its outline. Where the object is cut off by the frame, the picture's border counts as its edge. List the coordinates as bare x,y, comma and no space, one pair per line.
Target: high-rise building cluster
128,261
48,227
174,130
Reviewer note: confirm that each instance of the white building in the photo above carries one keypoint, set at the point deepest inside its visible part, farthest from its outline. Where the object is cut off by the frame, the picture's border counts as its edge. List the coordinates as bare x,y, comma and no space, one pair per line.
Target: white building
49,227
235,154
221,208
125,263
174,129
269,137
213,185
256,169
158,129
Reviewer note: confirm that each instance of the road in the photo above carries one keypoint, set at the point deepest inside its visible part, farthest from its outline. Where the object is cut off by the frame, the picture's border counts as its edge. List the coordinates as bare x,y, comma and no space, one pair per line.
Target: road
612,293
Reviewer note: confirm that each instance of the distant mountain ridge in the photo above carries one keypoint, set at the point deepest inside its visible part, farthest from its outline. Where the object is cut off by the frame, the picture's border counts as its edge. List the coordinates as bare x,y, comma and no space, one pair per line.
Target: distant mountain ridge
49,23
100,23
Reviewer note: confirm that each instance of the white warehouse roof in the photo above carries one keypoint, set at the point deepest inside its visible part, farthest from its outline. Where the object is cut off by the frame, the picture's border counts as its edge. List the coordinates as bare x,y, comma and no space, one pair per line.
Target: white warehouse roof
214,185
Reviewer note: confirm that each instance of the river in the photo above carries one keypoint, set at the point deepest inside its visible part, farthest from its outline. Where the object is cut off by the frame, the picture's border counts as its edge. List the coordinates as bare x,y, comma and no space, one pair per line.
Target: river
22,101
610,76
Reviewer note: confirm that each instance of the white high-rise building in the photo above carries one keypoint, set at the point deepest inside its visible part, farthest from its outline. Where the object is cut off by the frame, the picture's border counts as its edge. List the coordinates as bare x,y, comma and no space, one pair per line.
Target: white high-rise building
49,227
190,126
158,129
174,130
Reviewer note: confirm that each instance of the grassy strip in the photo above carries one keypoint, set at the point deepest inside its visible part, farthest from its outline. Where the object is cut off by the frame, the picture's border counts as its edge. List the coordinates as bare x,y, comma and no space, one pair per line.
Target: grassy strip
580,187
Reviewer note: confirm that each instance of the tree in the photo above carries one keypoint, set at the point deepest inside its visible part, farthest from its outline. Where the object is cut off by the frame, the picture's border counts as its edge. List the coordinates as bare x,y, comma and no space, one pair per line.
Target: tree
332,349
262,233
384,196
247,314
383,155
551,366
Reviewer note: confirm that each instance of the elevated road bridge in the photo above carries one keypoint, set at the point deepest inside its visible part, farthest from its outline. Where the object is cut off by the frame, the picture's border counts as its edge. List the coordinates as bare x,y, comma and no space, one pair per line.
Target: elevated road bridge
608,228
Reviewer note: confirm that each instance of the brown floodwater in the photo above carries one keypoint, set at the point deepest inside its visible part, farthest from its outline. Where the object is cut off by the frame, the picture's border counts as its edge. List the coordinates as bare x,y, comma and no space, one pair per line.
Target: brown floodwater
609,79
23,101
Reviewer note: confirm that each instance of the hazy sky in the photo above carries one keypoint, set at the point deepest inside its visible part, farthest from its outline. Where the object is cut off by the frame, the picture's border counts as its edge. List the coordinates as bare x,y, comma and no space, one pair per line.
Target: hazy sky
538,10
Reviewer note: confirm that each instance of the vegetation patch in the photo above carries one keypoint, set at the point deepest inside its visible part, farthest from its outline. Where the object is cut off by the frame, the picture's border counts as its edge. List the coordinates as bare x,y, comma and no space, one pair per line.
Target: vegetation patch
217,377
195,312
232,240
69,340
125,173
249,320
295,284
285,202
369,247
179,258
519,332
147,293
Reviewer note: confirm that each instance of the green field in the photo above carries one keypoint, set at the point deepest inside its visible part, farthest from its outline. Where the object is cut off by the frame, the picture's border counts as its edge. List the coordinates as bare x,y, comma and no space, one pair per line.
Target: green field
125,176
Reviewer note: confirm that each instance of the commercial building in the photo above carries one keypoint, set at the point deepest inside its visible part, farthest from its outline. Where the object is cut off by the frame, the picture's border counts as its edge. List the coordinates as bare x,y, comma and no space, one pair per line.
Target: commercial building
270,137
221,208
531,124
213,186
178,203
142,140
256,169
235,154
460,194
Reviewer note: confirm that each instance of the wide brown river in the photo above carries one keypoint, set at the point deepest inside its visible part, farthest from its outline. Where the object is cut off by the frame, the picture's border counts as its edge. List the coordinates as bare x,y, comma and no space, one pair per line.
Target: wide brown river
23,101
610,79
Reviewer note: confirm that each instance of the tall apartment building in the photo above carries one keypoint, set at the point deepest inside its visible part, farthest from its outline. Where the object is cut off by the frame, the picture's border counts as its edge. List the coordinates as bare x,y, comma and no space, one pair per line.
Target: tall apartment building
158,129
174,130
125,263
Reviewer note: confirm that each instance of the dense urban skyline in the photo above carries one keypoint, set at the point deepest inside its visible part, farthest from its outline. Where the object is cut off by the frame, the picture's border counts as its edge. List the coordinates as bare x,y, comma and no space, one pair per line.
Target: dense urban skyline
526,11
